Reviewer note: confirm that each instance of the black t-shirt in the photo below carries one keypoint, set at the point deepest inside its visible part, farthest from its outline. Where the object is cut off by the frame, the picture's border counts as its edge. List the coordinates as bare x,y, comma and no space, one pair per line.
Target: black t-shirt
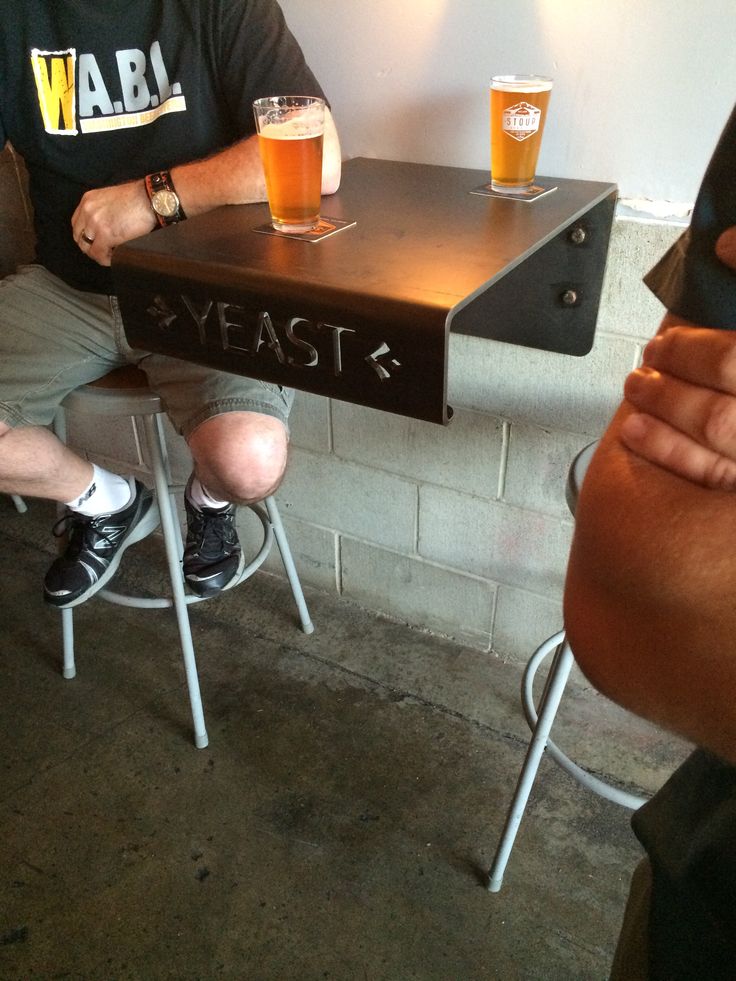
690,280
96,94
689,826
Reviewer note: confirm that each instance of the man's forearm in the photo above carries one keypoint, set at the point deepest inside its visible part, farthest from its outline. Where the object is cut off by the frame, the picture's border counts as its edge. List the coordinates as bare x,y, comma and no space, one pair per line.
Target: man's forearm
232,176
108,216
649,599
235,175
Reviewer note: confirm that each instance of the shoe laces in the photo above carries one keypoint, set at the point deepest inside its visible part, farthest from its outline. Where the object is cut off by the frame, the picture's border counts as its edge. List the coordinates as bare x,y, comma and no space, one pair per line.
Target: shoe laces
213,530
82,531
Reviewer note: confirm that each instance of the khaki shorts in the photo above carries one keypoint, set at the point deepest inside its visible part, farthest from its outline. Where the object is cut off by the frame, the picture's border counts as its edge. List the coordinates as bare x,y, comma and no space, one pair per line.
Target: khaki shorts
54,338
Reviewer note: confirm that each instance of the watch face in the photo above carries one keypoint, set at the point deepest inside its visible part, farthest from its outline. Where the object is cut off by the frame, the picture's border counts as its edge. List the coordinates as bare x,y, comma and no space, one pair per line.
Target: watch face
165,203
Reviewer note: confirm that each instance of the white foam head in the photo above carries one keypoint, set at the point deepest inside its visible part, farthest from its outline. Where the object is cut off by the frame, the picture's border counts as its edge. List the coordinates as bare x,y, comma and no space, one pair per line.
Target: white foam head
297,128
521,83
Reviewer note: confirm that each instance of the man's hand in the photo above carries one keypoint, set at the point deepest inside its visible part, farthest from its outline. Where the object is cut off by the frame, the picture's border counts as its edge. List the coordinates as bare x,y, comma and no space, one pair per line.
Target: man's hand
684,398
109,216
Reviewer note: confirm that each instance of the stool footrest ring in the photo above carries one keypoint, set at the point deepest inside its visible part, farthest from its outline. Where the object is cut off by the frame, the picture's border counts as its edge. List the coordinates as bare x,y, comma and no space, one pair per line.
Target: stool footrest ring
164,602
598,786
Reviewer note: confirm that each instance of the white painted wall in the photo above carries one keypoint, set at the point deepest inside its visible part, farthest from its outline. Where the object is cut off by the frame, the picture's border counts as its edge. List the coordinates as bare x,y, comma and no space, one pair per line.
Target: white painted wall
642,87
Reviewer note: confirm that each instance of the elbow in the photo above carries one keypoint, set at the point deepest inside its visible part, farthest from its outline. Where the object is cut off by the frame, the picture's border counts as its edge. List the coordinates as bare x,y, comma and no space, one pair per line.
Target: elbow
578,629
332,157
331,175
598,620
617,632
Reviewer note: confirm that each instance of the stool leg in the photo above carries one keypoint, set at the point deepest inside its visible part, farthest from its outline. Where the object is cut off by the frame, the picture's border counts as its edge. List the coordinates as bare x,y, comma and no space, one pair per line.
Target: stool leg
67,632
555,686
172,538
296,587
161,443
20,505
69,669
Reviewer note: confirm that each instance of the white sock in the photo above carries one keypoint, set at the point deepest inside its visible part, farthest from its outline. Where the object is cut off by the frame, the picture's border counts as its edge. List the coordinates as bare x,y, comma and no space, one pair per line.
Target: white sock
106,493
200,497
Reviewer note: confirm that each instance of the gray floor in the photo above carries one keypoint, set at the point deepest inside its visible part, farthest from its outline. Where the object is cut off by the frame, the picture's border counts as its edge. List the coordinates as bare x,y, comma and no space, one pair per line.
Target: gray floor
337,827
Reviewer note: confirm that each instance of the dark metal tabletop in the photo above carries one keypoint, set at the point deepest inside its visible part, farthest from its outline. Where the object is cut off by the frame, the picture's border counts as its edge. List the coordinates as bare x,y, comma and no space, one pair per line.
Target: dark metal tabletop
364,314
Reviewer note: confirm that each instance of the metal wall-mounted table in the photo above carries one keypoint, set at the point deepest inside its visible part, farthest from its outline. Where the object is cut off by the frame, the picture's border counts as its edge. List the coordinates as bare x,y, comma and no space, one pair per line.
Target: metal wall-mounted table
364,315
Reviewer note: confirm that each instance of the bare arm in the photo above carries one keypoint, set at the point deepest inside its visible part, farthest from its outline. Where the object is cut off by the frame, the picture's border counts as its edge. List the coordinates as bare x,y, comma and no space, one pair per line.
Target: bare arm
649,599
649,602
235,175
113,215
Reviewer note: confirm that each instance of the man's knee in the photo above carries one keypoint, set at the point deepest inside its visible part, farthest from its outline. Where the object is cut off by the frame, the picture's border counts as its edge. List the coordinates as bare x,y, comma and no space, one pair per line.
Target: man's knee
240,457
254,473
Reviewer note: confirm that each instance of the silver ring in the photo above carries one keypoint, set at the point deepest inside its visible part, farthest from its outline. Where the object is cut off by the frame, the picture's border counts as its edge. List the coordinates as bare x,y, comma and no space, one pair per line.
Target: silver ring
85,238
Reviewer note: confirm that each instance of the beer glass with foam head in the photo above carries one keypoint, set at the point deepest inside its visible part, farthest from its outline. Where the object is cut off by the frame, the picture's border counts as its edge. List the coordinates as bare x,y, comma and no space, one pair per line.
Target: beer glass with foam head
290,135
518,114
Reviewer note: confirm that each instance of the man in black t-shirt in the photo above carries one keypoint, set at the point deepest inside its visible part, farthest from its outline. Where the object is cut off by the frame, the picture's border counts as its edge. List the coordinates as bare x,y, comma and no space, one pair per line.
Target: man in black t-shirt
109,105
649,601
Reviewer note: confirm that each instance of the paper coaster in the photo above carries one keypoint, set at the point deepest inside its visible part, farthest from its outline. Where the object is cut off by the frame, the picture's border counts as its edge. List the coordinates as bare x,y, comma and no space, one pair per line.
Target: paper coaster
326,227
532,193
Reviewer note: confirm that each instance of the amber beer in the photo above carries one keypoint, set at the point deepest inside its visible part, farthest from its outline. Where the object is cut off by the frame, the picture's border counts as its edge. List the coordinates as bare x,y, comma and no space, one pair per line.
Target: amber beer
290,139
518,114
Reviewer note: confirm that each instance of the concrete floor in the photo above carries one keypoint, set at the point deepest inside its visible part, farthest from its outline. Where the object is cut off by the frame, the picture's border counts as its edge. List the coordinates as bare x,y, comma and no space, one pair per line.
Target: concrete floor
340,822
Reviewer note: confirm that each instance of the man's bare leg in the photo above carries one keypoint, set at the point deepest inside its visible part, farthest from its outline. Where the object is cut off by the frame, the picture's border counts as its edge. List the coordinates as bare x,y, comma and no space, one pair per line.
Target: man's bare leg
34,463
111,512
239,458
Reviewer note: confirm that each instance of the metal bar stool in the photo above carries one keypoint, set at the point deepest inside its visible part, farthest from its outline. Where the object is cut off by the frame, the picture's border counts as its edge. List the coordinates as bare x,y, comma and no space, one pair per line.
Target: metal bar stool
540,721
125,392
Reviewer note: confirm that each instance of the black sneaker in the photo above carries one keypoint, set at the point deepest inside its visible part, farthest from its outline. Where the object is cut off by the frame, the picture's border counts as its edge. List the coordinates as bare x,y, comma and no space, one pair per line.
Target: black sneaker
213,558
95,548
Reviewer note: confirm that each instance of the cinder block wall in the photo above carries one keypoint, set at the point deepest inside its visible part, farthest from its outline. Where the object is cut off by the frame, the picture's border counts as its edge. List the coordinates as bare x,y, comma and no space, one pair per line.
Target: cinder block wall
461,530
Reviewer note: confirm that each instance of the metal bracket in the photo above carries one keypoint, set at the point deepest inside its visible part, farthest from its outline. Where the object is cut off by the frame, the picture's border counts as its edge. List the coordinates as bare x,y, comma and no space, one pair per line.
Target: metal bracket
549,301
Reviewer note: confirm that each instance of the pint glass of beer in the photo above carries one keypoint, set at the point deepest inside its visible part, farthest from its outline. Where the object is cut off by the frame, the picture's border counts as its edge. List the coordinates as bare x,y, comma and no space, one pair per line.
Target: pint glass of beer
290,134
518,113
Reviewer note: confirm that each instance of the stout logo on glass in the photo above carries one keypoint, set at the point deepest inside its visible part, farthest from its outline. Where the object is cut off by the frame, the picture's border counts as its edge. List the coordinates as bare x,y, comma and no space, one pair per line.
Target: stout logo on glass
521,121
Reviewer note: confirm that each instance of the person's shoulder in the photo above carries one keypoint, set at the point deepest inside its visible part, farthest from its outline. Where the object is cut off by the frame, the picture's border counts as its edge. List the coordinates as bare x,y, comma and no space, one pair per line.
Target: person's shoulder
256,9
243,6
247,12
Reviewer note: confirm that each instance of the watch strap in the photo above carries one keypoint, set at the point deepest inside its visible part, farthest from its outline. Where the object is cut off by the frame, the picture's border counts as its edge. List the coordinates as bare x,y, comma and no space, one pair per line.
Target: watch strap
161,180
